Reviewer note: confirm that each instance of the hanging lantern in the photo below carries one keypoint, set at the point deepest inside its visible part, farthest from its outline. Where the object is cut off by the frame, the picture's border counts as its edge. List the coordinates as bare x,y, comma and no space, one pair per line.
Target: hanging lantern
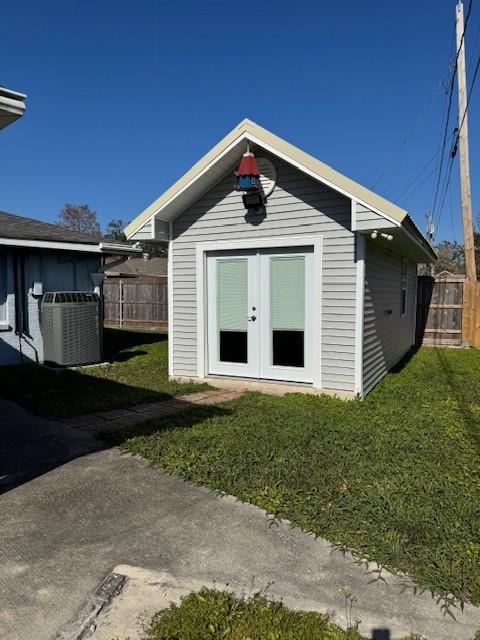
248,175
248,181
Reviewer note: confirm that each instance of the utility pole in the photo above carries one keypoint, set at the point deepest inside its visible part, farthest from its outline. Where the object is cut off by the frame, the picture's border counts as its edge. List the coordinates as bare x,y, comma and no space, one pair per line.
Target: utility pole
466,195
430,236
430,227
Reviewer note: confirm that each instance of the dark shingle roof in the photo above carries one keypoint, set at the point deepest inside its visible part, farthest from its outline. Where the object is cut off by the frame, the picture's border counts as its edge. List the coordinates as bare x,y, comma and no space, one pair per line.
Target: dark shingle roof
138,266
20,228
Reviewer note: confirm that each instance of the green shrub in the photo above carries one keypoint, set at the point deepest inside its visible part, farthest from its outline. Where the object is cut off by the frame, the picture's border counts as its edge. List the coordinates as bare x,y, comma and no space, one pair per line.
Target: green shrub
219,615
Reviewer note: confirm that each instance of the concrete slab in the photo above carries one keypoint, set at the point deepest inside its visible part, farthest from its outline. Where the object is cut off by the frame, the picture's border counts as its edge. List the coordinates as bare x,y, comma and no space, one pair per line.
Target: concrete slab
67,528
144,593
263,386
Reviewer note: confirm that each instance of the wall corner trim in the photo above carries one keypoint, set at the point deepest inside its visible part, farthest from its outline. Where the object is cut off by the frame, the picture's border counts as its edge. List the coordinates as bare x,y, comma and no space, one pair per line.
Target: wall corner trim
353,213
359,311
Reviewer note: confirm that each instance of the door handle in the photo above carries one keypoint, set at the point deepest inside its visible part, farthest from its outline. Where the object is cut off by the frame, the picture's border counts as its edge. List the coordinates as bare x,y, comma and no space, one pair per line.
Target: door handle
252,318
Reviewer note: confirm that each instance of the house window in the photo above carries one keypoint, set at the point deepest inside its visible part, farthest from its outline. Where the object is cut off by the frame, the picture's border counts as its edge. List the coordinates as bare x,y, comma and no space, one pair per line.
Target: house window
403,287
3,288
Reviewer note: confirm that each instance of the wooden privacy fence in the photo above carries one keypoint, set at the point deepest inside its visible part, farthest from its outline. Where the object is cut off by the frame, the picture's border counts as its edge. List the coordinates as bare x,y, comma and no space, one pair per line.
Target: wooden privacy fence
448,311
141,302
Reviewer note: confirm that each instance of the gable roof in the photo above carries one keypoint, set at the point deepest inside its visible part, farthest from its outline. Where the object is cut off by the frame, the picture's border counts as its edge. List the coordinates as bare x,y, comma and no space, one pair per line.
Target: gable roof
230,147
227,153
20,231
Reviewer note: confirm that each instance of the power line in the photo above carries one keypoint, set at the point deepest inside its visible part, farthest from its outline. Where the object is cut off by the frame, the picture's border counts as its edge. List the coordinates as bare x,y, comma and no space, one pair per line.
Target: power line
451,215
435,93
475,40
418,175
405,200
452,83
455,142
416,123
446,184
468,102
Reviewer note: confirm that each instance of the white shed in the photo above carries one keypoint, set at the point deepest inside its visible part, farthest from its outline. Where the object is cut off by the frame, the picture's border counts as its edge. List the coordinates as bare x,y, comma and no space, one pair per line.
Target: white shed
316,290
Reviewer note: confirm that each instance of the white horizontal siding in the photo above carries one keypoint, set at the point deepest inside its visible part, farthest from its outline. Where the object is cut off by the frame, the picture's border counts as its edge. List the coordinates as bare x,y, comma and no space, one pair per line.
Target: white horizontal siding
298,205
144,233
368,219
387,336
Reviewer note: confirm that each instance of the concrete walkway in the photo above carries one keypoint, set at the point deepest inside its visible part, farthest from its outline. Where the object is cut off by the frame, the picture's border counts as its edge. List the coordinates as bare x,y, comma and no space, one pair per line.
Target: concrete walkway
106,421
64,530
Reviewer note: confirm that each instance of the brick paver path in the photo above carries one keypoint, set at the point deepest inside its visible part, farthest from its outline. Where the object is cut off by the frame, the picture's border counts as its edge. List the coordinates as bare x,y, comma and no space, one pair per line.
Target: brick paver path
104,421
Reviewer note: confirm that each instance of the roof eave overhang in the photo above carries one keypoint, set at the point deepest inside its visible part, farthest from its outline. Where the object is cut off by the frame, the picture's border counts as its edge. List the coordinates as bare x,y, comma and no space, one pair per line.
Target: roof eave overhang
100,248
168,206
404,242
12,106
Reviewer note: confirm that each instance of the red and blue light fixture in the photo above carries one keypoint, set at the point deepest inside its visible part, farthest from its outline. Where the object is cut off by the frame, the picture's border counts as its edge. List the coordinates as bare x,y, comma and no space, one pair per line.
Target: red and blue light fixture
248,181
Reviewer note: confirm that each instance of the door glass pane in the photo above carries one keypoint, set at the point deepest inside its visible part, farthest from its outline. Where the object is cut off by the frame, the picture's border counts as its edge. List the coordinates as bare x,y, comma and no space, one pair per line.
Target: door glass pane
232,309
287,287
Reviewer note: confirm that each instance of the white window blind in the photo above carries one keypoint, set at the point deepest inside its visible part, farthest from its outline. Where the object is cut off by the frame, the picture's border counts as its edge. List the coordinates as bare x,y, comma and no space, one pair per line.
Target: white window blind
288,293
232,295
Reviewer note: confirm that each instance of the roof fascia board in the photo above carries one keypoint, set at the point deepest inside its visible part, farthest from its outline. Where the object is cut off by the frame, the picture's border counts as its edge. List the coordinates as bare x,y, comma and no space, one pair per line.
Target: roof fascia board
317,176
113,246
68,246
247,135
217,154
428,251
270,142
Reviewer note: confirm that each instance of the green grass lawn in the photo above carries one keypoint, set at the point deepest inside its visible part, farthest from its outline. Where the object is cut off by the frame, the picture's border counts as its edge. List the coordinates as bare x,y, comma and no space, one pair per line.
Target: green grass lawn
137,374
219,615
394,478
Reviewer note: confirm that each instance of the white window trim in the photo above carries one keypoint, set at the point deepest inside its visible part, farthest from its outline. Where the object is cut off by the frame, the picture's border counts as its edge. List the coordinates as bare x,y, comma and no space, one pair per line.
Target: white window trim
403,262
268,243
4,320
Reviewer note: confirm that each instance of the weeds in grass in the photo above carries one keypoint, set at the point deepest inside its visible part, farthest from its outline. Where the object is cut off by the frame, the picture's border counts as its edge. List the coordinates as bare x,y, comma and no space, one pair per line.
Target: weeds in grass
220,615
395,479
211,614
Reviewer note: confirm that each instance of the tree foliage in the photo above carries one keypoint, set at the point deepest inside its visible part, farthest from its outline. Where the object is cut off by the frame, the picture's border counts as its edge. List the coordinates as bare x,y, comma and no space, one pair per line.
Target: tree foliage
451,257
114,230
154,248
79,217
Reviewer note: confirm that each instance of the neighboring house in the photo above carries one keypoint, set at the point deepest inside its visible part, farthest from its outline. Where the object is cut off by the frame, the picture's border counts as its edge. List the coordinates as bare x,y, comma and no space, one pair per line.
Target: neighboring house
12,106
36,257
135,293
139,268
318,289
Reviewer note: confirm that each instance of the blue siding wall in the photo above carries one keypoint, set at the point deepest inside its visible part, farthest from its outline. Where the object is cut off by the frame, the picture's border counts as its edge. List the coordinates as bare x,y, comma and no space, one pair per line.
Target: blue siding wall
58,271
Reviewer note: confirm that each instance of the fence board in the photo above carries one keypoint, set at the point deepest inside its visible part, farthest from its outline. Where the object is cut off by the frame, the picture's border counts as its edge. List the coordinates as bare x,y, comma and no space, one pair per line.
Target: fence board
471,320
448,311
133,303
439,311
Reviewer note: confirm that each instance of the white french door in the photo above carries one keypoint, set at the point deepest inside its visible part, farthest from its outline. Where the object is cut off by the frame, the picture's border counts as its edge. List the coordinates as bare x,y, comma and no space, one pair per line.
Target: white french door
260,313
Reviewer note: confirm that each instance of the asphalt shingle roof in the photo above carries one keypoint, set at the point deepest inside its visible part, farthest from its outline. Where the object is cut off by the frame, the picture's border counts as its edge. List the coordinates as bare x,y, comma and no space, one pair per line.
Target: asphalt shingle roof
138,266
20,228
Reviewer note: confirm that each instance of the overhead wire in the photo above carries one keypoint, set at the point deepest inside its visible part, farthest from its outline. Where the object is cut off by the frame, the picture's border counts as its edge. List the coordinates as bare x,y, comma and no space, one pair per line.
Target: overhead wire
457,133
468,101
418,175
452,84
412,130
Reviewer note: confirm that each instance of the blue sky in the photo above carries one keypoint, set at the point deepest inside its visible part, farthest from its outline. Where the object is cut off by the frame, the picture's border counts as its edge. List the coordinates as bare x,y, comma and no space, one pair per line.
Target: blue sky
123,97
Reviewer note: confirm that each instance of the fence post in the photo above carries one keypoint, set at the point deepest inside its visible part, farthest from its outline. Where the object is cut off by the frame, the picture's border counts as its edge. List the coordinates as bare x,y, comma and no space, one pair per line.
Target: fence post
471,316
120,301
